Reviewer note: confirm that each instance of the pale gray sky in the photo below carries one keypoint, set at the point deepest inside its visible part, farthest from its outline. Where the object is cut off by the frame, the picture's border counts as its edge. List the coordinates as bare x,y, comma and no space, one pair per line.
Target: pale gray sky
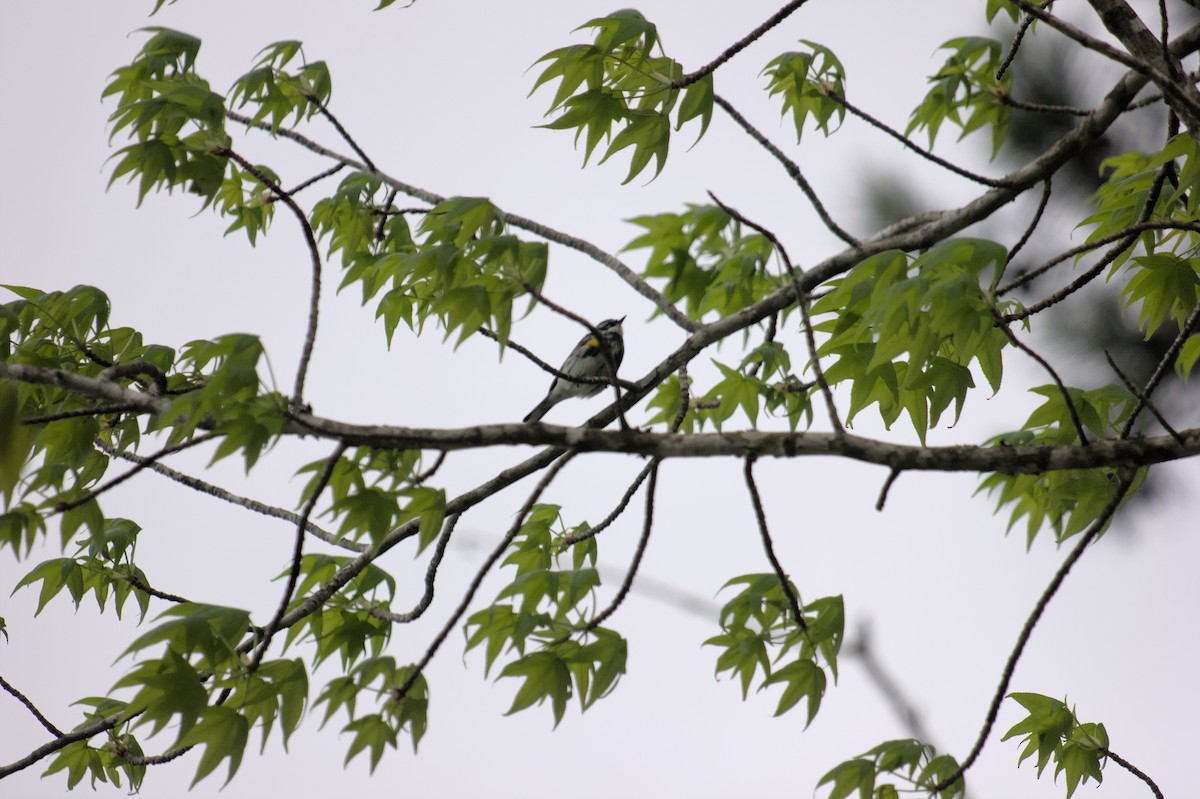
436,94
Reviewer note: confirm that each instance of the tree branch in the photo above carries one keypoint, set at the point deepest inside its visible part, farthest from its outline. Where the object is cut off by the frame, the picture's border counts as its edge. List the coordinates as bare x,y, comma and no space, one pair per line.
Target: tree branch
738,46
37,714
789,166
310,239
627,583
1043,601
760,516
297,553
505,542
430,579
546,232
234,499
1135,771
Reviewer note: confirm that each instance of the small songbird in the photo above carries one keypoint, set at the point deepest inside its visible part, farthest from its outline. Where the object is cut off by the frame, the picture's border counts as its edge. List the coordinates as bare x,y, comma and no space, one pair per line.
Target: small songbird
586,360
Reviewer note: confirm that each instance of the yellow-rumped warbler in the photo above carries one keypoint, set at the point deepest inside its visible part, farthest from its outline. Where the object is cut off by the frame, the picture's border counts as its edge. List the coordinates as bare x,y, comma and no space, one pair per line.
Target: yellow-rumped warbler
586,360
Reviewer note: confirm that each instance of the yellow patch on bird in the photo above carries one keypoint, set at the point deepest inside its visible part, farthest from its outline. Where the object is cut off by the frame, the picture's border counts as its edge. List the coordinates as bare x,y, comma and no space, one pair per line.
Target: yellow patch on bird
593,342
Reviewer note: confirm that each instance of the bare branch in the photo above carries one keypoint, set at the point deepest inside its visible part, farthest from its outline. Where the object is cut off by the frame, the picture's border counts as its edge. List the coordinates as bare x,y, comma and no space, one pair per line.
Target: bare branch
914,147
1066,395
1085,539
627,583
297,553
1142,398
310,239
592,532
62,741
345,134
802,305
37,714
1033,223
1026,21
1135,771
88,496
590,438
430,579
887,486
760,516
205,487
94,410
739,45
505,542
789,166
1160,371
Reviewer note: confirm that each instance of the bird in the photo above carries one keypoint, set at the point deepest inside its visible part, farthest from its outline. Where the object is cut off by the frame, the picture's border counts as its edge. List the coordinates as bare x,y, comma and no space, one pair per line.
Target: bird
586,360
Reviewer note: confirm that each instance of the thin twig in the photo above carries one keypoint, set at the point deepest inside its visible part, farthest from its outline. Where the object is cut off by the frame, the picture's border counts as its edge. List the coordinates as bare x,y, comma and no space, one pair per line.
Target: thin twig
789,166
137,368
916,148
421,478
1043,108
738,46
561,461
383,217
155,760
1066,395
1026,21
345,134
592,532
235,499
145,588
802,305
95,410
88,496
616,265
1141,396
304,184
887,486
1160,371
430,579
310,239
1027,630
63,741
1033,223
1134,770
37,714
760,516
627,583
297,553
1125,233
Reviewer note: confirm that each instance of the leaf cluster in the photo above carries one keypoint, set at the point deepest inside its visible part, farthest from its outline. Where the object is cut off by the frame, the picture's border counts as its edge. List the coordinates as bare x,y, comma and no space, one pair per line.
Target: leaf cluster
906,330
618,82
1068,499
537,615
758,632
1053,732
916,763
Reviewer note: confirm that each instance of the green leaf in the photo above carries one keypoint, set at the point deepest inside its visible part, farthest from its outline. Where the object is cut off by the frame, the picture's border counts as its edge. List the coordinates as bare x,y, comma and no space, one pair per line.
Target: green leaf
545,676
224,733
850,776
806,80
370,732
803,678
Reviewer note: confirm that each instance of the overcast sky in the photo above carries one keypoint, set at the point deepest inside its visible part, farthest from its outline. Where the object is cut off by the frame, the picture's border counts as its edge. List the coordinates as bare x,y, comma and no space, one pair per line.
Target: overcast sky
436,94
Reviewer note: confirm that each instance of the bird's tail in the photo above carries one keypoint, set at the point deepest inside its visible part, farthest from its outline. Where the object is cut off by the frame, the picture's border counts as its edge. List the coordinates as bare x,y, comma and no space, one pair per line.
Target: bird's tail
540,411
